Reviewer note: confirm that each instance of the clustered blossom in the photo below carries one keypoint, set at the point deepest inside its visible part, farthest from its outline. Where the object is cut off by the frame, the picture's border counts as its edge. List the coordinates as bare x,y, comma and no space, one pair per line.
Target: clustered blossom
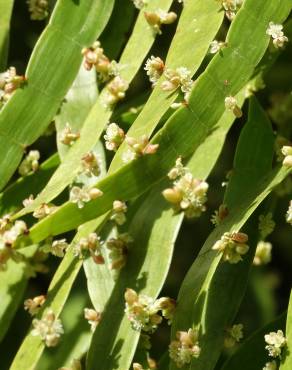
277,34
33,305
39,9
231,7
67,136
93,317
181,78
139,4
138,147
219,215
233,246
9,233
30,163
289,214
114,136
89,246
143,311
9,82
90,165
233,335
187,194
263,254
287,152
266,225
115,91
158,18
275,343
95,57
232,106
44,210
48,328
118,250
216,46
57,247
85,194
186,347
28,201
119,212
154,68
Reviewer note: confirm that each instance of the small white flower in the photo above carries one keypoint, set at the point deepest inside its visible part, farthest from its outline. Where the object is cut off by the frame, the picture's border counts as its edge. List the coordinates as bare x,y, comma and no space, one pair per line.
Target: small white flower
159,17
67,136
216,46
83,195
231,105
33,305
186,347
116,90
234,335
233,246
277,34
154,68
118,212
30,163
48,328
289,214
139,4
114,136
93,317
263,253
275,342
59,247
39,9
287,152
179,77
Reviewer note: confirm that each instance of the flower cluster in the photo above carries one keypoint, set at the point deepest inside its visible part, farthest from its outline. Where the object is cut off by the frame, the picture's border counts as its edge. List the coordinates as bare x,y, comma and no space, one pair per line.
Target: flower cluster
90,165
219,215
187,194
266,225
179,77
263,254
48,328
33,305
114,136
30,163
115,91
93,317
44,210
158,18
289,214
89,246
216,46
39,9
118,212
277,34
67,136
143,311
287,152
118,250
275,343
231,7
154,68
83,195
233,246
95,57
232,106
57,247
186,347
138,147
139,4
9,82
233,335
9,233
